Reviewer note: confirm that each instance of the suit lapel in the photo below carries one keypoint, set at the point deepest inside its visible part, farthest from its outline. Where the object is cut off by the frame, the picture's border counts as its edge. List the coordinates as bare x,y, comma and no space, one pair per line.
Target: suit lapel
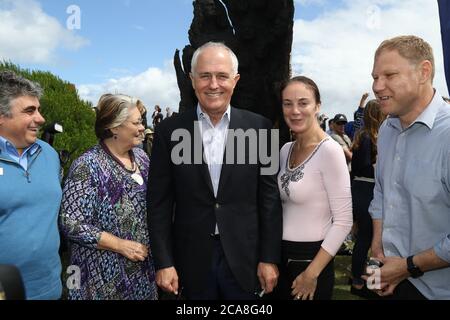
227,169
196,135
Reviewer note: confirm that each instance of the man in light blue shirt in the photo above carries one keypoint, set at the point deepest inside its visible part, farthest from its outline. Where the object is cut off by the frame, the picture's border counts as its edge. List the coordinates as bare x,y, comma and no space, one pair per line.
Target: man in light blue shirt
30,191
411,205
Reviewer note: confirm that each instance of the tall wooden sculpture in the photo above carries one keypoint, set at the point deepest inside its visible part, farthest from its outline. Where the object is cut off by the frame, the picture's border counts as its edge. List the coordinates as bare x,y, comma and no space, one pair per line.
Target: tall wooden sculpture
260,33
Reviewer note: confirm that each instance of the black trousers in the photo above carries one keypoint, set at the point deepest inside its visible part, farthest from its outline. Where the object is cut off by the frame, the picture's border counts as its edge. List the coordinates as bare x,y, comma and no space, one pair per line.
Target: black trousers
296,257
221,285
362,195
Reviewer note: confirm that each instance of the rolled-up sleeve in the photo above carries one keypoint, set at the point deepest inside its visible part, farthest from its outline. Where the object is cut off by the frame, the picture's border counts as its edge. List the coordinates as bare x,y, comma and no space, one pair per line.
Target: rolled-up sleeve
442,249
376,206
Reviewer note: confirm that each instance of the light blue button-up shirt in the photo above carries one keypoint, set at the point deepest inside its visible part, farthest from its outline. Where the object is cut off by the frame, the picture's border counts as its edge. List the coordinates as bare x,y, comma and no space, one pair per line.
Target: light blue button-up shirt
11,151
412,191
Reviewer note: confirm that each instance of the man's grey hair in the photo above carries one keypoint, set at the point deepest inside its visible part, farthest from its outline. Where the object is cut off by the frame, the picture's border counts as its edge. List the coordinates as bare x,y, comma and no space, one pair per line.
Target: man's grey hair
234,59
13,86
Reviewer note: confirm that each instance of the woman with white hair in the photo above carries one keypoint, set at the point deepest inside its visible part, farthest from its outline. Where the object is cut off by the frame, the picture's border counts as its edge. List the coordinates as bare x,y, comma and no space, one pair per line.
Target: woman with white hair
103,211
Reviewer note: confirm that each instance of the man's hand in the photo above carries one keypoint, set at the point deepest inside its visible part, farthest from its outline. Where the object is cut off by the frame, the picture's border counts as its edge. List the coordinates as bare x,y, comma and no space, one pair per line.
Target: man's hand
393,271
167,279
268,276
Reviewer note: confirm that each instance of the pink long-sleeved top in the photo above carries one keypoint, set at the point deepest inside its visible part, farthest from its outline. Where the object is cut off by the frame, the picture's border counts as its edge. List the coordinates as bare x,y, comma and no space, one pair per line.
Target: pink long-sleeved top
316,196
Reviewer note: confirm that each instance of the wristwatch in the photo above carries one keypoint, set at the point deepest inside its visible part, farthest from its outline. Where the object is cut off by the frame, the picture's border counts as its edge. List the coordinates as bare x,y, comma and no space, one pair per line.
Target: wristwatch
412,268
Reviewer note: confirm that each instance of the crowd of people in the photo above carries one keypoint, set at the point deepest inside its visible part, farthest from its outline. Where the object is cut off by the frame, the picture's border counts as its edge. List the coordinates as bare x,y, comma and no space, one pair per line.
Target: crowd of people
210,227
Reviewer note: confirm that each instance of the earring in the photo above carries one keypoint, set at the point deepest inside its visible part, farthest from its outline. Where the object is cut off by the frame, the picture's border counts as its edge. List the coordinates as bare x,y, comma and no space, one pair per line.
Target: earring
115,136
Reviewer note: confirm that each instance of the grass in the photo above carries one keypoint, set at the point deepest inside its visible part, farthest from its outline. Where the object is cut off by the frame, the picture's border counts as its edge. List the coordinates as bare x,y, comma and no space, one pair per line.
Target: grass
341,286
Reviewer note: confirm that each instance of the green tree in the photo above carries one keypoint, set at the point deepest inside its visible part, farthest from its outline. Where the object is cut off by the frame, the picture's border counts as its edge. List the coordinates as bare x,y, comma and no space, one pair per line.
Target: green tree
62,104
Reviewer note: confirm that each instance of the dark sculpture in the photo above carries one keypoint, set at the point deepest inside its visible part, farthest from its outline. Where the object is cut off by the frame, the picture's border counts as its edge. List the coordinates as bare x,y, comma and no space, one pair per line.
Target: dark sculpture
260,33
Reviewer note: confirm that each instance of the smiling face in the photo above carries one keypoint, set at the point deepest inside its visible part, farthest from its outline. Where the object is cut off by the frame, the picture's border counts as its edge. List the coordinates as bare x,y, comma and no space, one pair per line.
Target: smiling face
214,80
131,132
22,126
396,83
299,107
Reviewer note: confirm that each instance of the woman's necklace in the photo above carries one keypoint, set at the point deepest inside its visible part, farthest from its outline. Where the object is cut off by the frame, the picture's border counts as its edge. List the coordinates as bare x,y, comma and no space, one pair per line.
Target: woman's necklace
295,174
135,175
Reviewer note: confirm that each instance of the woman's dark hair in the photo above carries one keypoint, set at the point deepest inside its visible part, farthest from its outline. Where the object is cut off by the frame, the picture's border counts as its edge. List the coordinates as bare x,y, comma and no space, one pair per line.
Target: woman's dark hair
307,82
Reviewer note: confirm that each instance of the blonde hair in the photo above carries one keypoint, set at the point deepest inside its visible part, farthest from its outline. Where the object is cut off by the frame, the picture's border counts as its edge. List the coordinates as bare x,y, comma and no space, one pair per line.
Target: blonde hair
412,48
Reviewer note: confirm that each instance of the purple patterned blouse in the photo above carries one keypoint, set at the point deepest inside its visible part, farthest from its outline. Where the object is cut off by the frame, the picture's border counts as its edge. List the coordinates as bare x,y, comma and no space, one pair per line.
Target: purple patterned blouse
99,195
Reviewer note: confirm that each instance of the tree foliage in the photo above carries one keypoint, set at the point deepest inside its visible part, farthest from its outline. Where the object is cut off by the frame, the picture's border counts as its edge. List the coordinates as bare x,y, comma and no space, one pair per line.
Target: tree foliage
62,104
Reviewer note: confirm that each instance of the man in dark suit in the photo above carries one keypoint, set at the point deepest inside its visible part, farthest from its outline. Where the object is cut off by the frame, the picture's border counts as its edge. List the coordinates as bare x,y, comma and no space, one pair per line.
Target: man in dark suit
215,223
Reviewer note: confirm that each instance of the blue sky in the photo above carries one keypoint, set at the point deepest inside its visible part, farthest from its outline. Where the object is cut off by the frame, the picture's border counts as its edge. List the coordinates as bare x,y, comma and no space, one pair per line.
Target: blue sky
128,45
125,36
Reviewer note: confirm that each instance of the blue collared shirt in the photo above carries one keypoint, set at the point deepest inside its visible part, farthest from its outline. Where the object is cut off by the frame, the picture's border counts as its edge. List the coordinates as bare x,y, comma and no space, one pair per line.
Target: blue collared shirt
412,191
8,148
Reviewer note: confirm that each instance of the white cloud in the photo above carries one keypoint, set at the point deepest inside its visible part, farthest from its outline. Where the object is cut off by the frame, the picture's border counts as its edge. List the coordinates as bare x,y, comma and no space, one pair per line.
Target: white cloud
153,86
336,49
29,35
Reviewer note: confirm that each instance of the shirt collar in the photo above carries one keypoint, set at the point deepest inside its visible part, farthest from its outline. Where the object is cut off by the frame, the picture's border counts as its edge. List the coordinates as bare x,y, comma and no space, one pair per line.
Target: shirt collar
427,117
203,115
9,148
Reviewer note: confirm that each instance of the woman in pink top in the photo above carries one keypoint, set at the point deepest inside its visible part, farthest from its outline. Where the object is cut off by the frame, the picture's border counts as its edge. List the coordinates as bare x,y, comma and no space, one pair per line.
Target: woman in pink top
315,190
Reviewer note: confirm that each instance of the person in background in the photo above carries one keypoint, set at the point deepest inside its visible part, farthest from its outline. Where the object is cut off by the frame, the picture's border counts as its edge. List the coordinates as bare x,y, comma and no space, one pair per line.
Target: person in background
168,112
349,129
330,130
358,115
339,122
143,110
411,205
103,212
363,162
314,184
148,141
322,118
30,190
157,117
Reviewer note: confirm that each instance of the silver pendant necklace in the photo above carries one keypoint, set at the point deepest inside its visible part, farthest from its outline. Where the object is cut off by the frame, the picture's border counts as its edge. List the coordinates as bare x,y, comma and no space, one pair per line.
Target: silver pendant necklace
135,175
138,178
